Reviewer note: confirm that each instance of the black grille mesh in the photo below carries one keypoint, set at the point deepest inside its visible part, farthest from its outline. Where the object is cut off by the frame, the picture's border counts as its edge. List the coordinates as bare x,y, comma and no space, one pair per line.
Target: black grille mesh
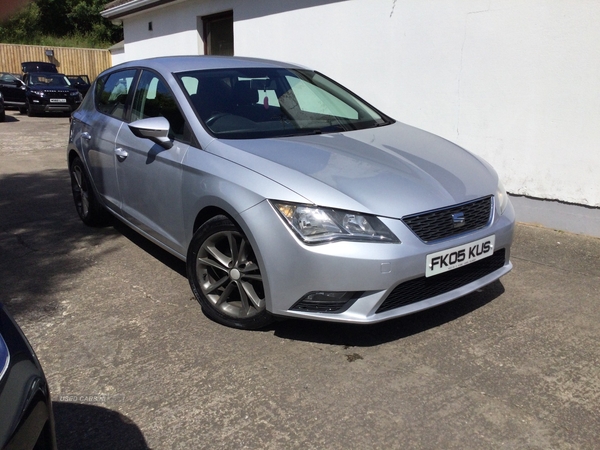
423,288
308,306
433,225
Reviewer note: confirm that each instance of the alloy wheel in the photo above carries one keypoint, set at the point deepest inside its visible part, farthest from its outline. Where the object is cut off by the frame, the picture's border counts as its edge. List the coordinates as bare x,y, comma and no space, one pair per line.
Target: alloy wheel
229,276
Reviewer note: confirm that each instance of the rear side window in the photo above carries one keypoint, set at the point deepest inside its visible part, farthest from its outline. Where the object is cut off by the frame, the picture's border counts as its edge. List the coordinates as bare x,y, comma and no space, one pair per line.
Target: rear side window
112,91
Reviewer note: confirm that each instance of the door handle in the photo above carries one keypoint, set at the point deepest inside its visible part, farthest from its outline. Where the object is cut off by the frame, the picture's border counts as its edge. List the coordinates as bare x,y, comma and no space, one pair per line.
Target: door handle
121,153
85,135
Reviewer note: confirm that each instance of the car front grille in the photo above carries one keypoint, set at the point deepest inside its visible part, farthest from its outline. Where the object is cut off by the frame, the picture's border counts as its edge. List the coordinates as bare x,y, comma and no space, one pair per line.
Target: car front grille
442,223
418,289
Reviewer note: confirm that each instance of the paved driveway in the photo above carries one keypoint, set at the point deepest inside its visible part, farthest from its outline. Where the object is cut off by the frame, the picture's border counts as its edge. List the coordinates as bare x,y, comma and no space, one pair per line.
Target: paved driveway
133,363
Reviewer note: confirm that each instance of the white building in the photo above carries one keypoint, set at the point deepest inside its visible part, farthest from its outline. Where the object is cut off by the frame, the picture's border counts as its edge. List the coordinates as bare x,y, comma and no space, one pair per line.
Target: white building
515,81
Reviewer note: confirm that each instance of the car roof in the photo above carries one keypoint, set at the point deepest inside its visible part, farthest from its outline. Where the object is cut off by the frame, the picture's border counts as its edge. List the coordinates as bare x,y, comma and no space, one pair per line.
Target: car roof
174,64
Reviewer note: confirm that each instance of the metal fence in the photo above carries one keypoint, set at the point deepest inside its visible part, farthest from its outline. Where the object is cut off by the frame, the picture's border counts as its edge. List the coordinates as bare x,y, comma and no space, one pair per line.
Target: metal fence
70,61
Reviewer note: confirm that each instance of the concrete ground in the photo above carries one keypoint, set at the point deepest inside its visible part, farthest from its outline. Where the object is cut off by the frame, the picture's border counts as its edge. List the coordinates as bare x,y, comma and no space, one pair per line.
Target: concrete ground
133,363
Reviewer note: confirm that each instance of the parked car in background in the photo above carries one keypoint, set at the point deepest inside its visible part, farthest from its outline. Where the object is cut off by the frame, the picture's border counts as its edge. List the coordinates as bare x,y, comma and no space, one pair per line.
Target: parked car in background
26,418
50,93
13,90
80,82
2,112
285,193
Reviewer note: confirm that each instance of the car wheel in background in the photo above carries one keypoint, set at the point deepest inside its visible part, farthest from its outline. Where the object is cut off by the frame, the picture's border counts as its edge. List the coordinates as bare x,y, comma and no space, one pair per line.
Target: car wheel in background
86,203
225,277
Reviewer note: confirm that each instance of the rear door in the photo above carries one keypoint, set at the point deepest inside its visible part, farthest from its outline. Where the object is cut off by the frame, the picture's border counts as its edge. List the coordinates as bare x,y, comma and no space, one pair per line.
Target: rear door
111,101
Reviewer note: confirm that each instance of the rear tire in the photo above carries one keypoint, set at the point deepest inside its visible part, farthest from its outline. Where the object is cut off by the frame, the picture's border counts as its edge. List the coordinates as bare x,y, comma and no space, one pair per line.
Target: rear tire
90,211
225,277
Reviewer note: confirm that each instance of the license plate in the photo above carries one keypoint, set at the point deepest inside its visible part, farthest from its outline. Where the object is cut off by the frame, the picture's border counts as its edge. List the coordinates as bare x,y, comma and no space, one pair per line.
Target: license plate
58,100
460,256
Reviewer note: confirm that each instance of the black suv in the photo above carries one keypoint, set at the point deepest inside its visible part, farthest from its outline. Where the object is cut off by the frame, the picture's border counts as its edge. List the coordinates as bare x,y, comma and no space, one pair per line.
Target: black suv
50,92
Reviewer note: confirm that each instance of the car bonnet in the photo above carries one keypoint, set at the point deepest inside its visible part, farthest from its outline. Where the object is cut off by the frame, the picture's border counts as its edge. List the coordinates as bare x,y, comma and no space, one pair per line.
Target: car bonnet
390,171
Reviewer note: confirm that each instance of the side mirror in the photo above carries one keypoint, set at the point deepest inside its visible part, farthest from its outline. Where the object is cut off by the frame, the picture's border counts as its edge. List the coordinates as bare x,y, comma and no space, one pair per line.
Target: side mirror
154,128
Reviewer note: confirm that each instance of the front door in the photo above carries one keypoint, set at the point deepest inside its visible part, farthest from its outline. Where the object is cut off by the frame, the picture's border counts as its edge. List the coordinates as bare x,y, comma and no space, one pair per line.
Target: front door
150,176
12,89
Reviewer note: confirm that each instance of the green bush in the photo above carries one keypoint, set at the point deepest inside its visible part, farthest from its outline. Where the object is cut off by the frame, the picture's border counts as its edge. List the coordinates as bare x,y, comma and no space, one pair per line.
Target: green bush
64,23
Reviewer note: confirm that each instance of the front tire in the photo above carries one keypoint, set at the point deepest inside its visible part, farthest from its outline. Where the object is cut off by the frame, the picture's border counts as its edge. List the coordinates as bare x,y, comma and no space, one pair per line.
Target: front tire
90,211
225,277
30,111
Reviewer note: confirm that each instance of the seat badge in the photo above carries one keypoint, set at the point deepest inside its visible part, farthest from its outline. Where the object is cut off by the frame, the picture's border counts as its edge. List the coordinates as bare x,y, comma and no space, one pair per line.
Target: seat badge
458,220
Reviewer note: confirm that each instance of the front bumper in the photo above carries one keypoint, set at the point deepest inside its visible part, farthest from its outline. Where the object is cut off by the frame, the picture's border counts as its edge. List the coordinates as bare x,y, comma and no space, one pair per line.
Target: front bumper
370,272
45,106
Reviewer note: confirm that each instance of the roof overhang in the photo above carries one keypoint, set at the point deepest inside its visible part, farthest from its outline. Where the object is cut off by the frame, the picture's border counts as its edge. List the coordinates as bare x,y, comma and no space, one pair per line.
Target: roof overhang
118,9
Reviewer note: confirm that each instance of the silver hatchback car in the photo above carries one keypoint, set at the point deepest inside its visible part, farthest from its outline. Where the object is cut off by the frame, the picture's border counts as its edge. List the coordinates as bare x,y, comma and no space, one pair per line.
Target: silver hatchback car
286,194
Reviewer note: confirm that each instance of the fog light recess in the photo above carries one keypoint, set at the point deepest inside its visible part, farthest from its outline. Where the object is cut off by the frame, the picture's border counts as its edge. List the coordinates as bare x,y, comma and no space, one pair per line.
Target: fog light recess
326,302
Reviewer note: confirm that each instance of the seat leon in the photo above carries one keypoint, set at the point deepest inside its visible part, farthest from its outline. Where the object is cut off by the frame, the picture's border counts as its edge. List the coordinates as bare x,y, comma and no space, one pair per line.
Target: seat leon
285,193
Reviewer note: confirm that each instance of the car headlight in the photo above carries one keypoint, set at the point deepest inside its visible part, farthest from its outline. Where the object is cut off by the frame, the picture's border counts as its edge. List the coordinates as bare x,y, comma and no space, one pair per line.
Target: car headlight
39,93
315,225
501,197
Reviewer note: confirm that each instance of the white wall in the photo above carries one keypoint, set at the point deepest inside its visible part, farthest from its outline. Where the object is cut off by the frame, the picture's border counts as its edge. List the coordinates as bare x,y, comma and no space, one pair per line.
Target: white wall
515,81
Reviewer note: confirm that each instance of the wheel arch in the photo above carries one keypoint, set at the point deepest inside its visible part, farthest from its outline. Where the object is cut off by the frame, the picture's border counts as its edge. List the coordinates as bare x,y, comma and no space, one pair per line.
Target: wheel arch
71,155
208,213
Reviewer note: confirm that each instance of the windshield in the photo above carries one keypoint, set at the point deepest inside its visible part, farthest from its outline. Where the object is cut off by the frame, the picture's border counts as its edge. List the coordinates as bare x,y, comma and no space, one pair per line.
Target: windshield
48,79
8,78
257,103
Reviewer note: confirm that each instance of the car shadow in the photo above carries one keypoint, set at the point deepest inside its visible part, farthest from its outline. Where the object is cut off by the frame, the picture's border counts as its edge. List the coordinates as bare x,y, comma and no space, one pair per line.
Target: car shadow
10,118
353,335
42,241
172,262
82,426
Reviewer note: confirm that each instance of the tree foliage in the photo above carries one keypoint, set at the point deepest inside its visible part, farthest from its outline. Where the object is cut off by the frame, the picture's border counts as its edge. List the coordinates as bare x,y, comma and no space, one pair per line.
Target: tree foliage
56,21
